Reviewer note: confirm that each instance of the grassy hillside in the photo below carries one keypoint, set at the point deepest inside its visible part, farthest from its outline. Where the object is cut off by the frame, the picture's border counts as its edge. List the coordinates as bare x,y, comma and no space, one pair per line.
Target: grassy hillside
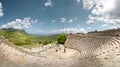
18,37
21,38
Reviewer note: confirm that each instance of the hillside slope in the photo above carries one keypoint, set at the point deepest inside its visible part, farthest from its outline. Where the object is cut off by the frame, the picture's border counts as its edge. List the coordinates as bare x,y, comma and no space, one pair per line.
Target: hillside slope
18,37
24,39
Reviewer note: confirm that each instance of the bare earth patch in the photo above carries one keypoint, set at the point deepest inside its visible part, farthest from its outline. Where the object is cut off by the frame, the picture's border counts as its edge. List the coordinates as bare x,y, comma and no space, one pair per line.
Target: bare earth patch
58,53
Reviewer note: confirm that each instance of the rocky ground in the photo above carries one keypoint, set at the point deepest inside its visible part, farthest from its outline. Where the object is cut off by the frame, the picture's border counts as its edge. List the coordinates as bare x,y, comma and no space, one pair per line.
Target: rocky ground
52,57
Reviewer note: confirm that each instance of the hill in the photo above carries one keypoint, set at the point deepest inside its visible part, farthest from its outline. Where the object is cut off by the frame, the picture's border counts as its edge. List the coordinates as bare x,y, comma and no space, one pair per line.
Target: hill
18,37
24,39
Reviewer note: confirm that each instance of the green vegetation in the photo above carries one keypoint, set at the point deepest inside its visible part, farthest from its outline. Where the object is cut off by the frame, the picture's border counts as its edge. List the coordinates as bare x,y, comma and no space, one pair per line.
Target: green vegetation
45,42
23,39
62,38
52,38
18,37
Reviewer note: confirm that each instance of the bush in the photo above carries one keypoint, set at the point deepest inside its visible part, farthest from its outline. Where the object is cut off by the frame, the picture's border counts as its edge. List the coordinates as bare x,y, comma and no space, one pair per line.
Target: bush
45,42
40,42
62,38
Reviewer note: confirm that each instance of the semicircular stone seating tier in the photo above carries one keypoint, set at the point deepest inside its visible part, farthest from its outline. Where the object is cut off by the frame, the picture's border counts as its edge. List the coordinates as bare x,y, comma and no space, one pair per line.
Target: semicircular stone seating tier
97,46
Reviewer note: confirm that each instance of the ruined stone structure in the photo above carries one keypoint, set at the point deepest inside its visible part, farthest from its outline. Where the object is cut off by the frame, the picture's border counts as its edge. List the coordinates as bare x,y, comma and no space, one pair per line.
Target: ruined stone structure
96,49
112,32
13,56
95,44
90,46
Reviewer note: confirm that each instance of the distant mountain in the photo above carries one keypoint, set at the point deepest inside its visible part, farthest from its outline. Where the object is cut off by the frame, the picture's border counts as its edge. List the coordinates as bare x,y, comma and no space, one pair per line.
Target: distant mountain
12,29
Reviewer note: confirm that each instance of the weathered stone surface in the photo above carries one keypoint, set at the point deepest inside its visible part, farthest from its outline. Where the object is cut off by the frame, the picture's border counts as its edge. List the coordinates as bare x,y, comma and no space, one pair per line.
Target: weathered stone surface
13,56
87,51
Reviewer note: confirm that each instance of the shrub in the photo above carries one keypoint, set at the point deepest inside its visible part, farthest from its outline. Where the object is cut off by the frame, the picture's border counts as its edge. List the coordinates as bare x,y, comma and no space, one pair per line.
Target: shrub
45,42
62,38
40,42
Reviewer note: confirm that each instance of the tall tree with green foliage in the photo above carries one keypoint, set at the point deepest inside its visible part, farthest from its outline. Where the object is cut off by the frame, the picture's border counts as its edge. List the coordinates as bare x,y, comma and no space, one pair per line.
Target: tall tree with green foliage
61,38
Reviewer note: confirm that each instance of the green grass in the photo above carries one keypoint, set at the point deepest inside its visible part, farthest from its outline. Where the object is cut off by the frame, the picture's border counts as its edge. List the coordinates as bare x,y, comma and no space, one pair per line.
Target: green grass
23,39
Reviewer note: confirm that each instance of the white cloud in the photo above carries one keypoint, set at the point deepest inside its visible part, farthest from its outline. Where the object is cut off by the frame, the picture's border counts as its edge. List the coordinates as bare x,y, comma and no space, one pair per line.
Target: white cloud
71,30
89,29
78,25
53,21
40,23
48,3
112,27
105,25
63,20
19,24
95,19
1,10
75,19
64,30
91,20
70,21
78,1
42,31
103,10
34,21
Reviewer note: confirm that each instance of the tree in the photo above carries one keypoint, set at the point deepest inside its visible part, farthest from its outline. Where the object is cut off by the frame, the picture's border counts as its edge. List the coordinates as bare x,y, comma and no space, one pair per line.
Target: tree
61,38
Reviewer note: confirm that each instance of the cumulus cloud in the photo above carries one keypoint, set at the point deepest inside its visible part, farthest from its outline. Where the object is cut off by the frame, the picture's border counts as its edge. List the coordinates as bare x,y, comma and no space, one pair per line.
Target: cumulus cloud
103,10
105,25
92,19
40,23
42,31
19,23
89,29
1,10
70,21
65,30
48,3
53,21
71,30
110,26
63,20
75,19
78,1
34,21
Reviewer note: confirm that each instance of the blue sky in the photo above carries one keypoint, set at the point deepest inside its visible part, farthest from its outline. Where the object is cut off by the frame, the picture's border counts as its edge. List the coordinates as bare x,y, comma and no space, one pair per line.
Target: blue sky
57,16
